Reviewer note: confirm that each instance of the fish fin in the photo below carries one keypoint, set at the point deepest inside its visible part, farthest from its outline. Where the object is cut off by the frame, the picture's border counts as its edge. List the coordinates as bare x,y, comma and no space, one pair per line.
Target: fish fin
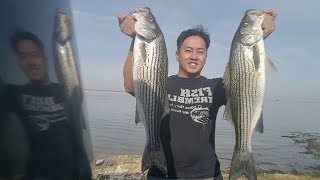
166,108
226,82
154,158
139,116
226,79
259,126
143,52
227,113
256,57
242,164
270,67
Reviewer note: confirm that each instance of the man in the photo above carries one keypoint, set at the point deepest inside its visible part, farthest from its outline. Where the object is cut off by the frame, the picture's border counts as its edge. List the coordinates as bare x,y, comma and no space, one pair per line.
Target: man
188,133
53,150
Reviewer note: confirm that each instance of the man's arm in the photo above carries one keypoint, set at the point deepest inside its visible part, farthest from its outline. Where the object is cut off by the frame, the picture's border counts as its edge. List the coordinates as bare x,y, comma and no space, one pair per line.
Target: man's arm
126,24
127,71
268,24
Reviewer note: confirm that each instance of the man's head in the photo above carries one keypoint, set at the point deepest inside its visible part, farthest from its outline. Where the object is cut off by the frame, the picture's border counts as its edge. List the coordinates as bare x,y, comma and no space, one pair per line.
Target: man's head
192,46
31,58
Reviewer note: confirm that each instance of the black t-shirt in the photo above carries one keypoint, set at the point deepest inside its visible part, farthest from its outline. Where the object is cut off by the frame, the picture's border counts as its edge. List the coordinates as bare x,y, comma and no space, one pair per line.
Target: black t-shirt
188,133
50,134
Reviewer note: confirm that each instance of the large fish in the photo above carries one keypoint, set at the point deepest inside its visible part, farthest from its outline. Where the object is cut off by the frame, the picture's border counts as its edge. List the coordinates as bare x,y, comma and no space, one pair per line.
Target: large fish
66,65
150,71
68,74
244,81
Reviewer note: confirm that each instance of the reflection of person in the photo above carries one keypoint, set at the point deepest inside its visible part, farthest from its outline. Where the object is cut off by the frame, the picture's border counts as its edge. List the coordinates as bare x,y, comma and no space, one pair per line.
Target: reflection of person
52,152
188,133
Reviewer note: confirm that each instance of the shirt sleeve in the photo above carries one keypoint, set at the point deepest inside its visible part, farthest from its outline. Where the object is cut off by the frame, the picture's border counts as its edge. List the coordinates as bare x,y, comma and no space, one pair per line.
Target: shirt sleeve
220,92
11,98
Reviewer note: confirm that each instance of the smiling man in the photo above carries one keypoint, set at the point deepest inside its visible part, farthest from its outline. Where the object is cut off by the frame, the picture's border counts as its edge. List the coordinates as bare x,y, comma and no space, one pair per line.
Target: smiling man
188,133
53,150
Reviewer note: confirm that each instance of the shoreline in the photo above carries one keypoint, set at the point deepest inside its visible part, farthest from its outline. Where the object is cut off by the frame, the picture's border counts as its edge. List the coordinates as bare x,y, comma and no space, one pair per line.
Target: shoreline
128,167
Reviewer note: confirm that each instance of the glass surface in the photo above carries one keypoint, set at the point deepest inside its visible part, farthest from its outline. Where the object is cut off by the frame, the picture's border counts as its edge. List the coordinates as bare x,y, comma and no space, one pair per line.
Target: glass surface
43,128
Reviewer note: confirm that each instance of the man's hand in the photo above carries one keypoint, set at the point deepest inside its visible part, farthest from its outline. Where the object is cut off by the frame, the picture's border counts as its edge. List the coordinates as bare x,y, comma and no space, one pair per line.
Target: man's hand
268,25
126,24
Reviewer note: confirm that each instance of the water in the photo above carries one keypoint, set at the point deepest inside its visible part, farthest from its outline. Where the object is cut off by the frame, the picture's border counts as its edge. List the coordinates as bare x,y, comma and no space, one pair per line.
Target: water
111,119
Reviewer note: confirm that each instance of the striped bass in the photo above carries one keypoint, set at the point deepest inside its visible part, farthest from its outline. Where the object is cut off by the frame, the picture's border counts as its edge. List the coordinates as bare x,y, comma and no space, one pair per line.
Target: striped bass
150,72
68,75
244,81
66,66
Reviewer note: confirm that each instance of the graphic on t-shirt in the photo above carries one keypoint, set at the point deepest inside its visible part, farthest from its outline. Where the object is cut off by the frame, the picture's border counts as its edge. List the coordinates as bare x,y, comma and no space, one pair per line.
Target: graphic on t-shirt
192,102
200,115
42,111
39,123
192,96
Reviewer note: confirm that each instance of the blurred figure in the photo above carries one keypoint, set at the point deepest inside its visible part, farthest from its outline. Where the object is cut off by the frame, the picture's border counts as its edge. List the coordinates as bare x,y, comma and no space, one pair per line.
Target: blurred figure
53,152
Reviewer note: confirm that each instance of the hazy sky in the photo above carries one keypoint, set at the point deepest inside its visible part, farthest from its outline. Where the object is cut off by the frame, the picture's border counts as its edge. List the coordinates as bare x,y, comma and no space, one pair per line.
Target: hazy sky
293,46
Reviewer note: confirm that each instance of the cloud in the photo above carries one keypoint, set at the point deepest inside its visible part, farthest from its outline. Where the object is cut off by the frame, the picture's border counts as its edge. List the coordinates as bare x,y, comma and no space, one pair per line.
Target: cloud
221,46
83,15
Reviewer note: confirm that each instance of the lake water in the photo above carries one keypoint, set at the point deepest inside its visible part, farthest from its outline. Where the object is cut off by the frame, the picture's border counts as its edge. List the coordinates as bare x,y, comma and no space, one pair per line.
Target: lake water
113,131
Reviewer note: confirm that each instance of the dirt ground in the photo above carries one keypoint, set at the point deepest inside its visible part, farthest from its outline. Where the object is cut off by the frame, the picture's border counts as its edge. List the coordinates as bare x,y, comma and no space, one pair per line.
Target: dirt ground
128,167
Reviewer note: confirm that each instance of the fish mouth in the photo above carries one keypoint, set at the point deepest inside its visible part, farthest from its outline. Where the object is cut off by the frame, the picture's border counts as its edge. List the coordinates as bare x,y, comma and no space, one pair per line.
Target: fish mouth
255,11
141,9
136,11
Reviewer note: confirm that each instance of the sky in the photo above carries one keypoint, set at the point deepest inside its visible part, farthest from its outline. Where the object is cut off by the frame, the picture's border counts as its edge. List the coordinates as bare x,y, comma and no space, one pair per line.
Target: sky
293,46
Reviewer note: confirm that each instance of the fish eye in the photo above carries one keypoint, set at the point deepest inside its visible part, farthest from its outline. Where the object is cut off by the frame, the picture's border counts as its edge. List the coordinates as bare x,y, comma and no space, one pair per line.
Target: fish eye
150,18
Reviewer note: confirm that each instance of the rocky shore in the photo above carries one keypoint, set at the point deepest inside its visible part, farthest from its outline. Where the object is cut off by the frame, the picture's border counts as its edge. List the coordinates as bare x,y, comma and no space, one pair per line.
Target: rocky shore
121,167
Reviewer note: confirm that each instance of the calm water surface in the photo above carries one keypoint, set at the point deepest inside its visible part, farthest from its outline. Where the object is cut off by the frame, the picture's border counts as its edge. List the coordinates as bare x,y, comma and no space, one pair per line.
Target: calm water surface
113,131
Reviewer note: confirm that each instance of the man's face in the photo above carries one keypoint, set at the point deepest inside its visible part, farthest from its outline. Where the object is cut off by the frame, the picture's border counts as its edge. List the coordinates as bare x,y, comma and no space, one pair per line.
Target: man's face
32,61
191,56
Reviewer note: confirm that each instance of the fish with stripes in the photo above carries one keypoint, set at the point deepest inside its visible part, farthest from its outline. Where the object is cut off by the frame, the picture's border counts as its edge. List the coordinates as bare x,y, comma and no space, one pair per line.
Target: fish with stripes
68,74
244,81
150,72
66,66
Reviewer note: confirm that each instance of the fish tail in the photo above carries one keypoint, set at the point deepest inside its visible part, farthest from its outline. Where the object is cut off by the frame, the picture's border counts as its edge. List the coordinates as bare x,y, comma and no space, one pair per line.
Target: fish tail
242,164
154,158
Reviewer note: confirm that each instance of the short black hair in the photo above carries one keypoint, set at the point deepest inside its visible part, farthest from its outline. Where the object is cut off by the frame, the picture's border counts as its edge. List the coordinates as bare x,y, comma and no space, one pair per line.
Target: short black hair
20,35
196,31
